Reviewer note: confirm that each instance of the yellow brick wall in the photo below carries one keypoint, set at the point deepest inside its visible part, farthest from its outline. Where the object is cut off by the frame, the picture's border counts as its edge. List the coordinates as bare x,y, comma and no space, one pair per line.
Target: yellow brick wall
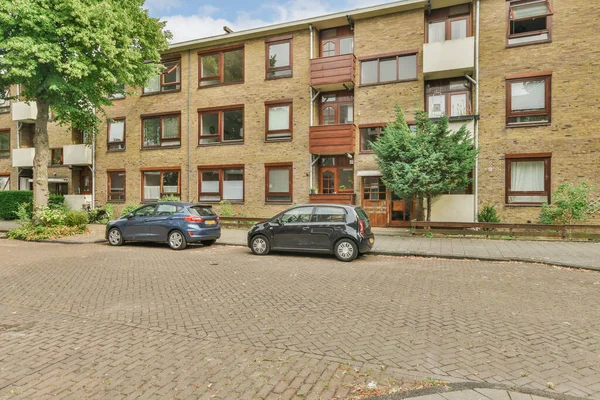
573,137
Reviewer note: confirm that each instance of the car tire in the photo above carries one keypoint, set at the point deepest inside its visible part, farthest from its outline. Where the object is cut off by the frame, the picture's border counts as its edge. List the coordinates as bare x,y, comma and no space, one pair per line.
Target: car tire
115,237
208,242
260,245
177,240
345,250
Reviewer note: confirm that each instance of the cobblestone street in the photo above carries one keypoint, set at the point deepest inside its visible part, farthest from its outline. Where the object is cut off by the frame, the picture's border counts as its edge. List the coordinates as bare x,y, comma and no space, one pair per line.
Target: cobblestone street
143,321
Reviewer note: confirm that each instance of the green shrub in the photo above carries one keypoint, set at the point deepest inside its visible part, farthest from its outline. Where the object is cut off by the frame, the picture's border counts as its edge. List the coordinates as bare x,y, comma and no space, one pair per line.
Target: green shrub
36,233
76,218
226,209
128,208
50,217
169,197
57,201
10,200
488,214
570,203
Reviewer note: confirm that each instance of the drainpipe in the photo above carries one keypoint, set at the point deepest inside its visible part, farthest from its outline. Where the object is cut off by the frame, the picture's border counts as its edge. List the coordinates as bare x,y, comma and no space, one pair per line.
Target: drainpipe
189,155
476,121
93,167
310,56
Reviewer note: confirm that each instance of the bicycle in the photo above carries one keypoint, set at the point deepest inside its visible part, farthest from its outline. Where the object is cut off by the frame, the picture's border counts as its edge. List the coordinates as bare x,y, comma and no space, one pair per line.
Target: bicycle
97,215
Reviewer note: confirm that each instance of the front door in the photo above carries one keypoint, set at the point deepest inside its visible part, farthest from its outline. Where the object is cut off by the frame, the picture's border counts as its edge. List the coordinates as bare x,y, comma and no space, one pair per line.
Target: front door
86,181
374,200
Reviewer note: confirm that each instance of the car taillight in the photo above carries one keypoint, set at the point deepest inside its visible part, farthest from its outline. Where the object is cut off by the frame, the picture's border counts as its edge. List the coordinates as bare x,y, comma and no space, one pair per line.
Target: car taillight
361,227
218,219
193,218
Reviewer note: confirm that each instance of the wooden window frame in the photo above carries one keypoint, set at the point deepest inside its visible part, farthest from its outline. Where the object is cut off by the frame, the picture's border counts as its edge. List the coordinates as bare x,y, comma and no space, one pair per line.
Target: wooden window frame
510,14
162,171
342,32
220,125
365,126
340,163
445,15
109,191
547,78
275,166
279,103
290,67
7,185
61,158
547,158
221,169
162,116
448,93
221,77
397,55
362,189
7,133
336,106
110,144
162,83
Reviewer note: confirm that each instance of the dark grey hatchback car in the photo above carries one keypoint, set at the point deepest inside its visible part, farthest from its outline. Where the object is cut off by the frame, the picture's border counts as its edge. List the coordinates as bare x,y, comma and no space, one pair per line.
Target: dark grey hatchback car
316,228
173,222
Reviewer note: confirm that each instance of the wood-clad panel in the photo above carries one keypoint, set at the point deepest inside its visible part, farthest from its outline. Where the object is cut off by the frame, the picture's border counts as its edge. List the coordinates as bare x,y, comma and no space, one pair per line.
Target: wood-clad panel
332,139
333,70
334,198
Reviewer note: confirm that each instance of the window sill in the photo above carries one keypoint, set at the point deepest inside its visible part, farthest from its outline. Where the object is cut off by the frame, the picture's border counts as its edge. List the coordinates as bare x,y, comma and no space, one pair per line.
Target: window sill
387,83
279,77
116,151
509,46
277,140
458,118
116,201
160,148
276,203
158,93
221,85
231,143
117,98
235,202
527,125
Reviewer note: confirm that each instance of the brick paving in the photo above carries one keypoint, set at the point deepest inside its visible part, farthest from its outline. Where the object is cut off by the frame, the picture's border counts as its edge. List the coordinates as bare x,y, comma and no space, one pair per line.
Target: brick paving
142,321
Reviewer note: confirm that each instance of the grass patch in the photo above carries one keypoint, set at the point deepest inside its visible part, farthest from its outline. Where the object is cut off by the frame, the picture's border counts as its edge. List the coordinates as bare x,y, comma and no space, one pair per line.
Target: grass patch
38,233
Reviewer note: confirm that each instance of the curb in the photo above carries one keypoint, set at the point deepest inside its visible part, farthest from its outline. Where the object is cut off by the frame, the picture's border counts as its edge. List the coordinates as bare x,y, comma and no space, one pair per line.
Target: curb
465,386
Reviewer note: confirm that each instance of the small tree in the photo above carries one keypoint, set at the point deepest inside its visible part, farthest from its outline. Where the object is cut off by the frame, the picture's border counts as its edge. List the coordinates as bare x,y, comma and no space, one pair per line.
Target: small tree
570,203
71,55
425,164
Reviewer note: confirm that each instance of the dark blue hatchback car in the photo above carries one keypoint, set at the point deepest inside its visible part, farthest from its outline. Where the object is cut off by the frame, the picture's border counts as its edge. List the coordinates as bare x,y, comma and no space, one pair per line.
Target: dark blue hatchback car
175,223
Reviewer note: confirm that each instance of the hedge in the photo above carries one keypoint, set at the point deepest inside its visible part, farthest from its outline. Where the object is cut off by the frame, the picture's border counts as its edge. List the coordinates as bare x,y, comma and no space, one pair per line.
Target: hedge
10,200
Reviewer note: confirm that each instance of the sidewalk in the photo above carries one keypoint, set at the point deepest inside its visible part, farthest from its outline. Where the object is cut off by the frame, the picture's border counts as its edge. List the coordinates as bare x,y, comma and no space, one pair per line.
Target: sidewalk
393,241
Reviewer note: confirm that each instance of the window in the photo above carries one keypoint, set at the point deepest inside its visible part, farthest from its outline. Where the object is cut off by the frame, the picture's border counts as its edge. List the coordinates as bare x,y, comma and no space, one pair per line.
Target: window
116,185
392,68
528,178
116,134
300,215
529,21
451,98
4,182
169,80
337,41
368,135
449,23
279,57
119,92
278,120
373,188
222,125
278,183
337,175
56,156
158,183
57,188
161,131
5,102
328,214
5,144
337,108
221,183
222,67
79,137
528,100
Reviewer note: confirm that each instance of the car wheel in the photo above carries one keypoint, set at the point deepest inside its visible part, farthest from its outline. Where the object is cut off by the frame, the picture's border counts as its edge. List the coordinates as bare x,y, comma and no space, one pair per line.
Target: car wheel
346,250
115,238
177,240
260,245
208,242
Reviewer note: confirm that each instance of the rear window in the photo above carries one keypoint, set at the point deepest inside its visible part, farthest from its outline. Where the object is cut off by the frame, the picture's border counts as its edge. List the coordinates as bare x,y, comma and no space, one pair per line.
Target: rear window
202,211
362,214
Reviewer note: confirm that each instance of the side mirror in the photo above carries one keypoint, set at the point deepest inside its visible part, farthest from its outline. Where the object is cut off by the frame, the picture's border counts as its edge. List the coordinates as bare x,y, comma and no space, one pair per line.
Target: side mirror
277,221
129,216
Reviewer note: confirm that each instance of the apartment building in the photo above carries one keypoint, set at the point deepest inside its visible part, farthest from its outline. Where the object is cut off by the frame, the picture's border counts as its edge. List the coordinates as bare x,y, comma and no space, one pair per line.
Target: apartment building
284,114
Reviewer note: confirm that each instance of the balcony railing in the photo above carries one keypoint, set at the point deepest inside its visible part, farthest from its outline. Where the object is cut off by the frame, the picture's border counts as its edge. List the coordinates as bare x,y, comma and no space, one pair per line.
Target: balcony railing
77,154
333,73
334,198
332,139
23,157
24,112
449,58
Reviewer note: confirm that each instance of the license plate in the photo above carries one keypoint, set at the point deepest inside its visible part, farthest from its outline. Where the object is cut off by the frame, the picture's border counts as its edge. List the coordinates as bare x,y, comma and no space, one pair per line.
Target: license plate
210,222
371,240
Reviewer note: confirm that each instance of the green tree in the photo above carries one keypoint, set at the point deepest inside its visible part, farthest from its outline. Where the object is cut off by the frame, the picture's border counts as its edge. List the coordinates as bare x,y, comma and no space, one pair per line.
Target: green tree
70,55
426,163
570,203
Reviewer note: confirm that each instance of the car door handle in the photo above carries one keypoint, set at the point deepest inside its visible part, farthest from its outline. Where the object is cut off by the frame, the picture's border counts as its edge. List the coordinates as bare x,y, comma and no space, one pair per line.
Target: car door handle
305,228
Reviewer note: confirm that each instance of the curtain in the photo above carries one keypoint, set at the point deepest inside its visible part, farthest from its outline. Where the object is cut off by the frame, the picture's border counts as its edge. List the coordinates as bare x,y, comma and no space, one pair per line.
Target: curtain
437,106
153,84
233,184
117,131
279,118
437,32
407,67
279,180
458,105
528,95
387,70
459,29
530,10
170,128
527,176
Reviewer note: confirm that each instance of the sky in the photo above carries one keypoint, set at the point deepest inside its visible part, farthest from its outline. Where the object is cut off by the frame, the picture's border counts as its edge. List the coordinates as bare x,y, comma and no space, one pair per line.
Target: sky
189,19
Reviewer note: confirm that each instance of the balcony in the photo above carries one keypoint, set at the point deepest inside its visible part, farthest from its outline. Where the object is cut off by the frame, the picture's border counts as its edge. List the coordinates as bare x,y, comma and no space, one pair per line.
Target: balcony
332,139
334,198
24,112
333,73
450,58
77,154
23,157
